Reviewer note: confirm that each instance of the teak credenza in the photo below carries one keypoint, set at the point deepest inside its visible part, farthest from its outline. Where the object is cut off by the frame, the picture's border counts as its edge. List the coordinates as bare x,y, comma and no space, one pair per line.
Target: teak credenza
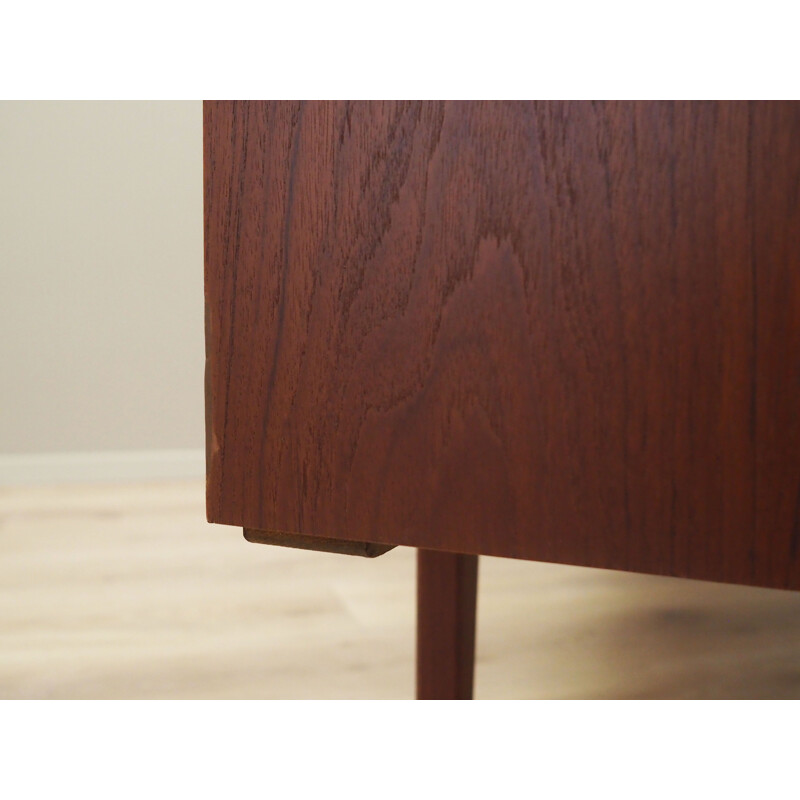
560,331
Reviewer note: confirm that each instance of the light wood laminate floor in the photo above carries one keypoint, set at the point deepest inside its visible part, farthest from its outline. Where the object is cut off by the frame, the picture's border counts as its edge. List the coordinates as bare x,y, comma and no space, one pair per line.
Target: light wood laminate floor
124,591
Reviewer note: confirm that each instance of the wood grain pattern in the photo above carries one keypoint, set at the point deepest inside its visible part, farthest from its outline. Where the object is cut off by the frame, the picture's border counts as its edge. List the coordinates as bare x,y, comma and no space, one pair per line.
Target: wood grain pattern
447,588
556,331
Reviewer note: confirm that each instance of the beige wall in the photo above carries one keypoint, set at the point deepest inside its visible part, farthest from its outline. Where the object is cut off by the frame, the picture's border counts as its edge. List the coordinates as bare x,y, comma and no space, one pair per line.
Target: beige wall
101,287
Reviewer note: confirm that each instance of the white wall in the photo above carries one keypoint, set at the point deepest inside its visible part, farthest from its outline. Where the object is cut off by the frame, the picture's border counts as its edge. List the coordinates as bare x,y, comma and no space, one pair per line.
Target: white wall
101,289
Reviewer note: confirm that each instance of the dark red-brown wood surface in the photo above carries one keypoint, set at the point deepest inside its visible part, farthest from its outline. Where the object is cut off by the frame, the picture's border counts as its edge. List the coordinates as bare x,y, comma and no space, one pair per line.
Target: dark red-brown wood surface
558,331
447,593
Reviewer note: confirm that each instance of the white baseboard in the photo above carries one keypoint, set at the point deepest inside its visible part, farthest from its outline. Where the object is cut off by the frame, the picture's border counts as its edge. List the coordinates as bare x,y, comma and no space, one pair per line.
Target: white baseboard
114,466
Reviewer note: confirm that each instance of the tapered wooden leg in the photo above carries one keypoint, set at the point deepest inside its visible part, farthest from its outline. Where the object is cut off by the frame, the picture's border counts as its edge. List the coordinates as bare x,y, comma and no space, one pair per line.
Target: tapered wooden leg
447,586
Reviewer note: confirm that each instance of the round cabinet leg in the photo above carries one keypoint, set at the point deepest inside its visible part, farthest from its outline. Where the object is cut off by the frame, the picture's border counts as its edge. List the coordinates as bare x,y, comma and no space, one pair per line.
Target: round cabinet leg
447,586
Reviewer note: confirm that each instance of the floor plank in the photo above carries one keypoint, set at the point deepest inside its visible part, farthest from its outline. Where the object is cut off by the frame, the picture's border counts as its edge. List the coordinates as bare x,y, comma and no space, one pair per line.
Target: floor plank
126,592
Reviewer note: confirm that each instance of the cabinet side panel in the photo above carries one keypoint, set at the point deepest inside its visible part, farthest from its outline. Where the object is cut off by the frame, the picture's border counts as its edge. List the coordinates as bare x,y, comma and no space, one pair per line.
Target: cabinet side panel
776,237
518,329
